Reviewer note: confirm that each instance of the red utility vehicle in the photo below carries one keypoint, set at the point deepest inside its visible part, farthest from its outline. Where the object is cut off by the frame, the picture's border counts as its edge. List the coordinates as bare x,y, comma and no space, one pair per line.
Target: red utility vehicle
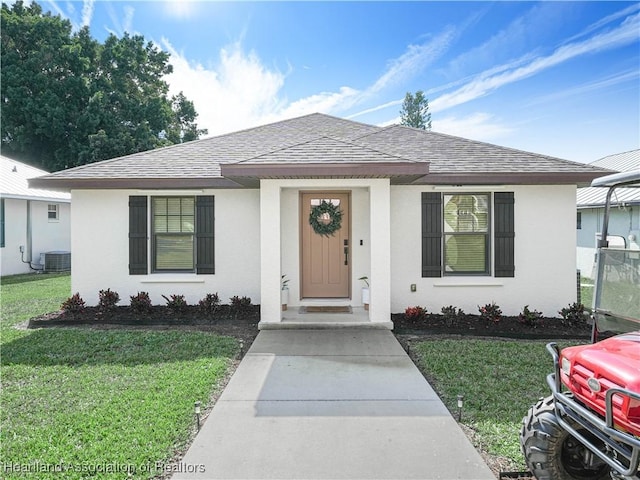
589,427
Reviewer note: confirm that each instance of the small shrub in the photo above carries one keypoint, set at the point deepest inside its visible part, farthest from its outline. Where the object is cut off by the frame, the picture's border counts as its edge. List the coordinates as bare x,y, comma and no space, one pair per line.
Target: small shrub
574,315
108,299
451,314
176,302
141,303
210,303
491,312
530,318
415,314
73,304
240,304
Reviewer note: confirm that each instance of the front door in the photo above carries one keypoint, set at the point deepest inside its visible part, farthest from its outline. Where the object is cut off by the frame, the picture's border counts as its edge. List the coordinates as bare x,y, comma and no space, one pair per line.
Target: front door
325,259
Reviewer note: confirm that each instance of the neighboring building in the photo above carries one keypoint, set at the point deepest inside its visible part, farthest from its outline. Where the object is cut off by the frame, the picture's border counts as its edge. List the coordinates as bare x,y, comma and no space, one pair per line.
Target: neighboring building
33,221
624,223
430,219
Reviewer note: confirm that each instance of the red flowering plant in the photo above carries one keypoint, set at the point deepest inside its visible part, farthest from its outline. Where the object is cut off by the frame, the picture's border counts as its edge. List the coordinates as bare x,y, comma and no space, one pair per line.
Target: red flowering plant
415,314
490,311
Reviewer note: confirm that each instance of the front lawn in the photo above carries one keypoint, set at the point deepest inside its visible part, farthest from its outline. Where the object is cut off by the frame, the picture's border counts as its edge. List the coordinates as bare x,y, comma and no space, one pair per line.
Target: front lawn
100,403
499,379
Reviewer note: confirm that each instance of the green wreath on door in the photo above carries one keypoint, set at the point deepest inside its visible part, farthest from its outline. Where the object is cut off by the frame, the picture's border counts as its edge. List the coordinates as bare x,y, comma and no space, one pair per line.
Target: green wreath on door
325,219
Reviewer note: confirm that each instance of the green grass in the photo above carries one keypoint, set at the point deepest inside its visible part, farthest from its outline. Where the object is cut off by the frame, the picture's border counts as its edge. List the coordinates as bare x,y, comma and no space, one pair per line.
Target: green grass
93,399
500,380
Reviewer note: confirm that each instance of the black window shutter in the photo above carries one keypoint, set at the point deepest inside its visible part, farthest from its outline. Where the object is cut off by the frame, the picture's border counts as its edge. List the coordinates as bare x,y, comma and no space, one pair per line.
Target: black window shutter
138,235
205,239
504,265
431,234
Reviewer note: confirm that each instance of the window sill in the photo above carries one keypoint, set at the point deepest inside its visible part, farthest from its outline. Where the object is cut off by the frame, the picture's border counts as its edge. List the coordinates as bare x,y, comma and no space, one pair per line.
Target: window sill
187,278
467,282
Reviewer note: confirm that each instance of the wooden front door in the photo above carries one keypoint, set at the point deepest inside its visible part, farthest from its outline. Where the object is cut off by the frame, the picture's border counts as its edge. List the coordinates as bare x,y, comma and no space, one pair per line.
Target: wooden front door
325,260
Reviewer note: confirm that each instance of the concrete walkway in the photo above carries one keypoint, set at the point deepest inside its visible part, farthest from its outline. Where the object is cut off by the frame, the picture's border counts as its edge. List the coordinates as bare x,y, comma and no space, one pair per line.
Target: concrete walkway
330,404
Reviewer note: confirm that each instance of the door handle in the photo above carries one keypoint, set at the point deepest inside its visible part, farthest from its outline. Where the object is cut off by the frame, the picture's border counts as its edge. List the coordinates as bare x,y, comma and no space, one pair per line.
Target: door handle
345,242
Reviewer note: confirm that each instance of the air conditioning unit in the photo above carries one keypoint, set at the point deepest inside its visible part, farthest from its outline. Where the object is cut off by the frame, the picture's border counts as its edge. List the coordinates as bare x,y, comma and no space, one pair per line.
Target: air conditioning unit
57,261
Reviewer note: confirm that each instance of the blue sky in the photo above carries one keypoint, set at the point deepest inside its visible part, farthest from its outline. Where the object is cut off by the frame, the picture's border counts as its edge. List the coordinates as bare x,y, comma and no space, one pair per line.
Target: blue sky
558,78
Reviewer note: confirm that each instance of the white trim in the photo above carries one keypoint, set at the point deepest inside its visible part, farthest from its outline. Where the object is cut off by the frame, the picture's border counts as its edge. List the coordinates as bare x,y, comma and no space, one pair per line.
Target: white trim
166,193
467,283
468,188
172,280
34,198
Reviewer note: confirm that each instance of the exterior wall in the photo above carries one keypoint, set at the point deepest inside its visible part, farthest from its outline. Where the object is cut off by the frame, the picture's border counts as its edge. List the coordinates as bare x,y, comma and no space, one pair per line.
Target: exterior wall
545,255
100,243
46,235
622,223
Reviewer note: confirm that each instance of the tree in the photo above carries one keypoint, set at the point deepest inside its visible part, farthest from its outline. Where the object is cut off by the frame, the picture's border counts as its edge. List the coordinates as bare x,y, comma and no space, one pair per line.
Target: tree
68,100
415,111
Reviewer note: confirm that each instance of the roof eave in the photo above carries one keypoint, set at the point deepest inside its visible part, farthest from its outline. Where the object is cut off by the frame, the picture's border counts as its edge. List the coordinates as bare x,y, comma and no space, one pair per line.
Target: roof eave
510,178
68,184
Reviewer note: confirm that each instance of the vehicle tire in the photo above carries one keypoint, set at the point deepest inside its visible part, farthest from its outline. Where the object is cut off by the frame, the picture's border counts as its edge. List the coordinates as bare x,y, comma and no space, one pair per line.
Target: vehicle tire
550,452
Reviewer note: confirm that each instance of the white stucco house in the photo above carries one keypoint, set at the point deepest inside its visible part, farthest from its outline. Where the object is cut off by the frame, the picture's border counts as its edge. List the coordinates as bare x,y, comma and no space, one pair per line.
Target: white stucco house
34,222
430,219
624,222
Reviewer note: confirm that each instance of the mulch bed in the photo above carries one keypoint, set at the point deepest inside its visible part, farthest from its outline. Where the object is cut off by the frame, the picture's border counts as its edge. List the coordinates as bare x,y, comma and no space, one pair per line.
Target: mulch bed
474,325
242,325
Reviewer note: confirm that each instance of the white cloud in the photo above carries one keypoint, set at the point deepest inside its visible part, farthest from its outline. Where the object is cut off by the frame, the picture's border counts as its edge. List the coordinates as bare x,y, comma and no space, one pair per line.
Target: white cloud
587,87
608,19
87,12
485,83
122,22
393,103
478,126
325,102
237,93
413,61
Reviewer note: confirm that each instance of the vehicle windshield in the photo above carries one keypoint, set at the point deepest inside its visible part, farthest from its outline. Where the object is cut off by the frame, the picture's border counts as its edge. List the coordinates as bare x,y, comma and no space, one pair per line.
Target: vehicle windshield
617,292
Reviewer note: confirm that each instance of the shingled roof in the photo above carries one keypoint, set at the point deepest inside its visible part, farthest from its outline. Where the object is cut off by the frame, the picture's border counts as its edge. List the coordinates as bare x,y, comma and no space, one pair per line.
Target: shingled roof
322,146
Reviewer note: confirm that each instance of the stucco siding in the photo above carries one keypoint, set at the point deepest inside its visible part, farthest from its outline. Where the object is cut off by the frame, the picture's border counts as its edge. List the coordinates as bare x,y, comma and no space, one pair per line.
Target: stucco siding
100,248
46,235
545,256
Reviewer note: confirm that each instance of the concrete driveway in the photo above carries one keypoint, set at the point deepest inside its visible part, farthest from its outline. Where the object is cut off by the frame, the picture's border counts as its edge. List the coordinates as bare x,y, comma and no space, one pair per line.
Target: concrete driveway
330,404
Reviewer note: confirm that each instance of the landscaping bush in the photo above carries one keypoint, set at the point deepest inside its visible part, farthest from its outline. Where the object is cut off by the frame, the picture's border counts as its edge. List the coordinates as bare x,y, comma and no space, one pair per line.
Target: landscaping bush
108,299
73,304
141,303
530,318
451,314
240,304
574,315
176,303
210,303
415,314
491,312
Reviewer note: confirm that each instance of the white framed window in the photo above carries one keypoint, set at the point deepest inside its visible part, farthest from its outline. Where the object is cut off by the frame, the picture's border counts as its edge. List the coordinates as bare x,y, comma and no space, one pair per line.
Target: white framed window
467,233
173,247
53,212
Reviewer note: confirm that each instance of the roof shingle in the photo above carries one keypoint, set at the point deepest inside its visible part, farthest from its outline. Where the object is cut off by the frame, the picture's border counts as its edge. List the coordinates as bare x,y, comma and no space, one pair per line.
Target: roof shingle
319,138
